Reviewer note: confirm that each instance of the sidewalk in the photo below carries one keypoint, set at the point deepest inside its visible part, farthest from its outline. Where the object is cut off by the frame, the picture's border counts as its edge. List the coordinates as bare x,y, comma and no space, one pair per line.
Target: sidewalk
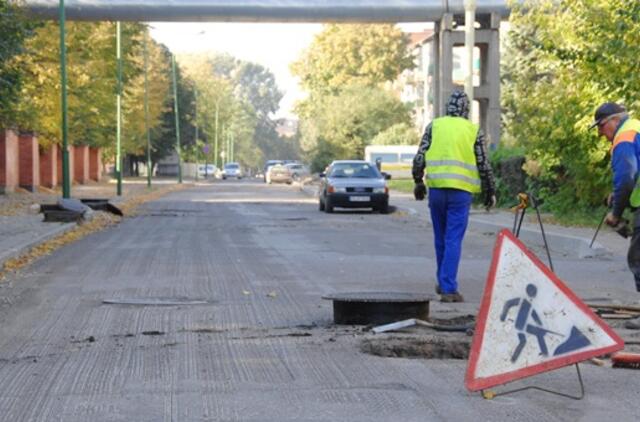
22,226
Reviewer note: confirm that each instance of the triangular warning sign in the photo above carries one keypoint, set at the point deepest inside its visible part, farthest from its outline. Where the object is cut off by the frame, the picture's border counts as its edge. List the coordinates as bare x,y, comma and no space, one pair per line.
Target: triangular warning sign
530,322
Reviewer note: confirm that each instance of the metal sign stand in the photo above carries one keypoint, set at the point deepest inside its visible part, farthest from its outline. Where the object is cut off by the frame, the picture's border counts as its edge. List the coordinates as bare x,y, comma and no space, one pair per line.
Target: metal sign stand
520,210
488,394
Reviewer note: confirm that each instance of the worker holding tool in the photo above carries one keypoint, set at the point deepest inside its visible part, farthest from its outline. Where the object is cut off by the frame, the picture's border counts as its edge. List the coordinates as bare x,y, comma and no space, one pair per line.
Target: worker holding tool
623,132
453,151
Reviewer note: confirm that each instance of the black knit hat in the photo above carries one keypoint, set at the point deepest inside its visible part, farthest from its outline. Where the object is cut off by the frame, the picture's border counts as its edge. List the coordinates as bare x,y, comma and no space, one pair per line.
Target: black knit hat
606,110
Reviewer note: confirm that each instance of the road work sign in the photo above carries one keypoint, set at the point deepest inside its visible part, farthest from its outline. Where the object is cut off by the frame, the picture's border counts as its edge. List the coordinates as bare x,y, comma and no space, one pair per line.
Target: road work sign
530,322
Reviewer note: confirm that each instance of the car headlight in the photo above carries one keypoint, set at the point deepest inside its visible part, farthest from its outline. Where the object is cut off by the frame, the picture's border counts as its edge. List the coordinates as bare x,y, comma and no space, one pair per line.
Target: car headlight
333,189
380,190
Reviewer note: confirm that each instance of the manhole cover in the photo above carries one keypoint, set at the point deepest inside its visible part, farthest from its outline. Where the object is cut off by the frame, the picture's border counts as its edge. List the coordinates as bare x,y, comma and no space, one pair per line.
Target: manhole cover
364,308
155,301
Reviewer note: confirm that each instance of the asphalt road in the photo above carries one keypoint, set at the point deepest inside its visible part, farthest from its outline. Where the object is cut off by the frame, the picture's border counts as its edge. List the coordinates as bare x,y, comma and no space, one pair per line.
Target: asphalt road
262,346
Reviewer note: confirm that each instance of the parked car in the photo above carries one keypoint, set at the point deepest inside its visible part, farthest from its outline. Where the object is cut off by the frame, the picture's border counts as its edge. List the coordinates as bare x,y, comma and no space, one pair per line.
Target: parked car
232,170
267,167
353,184
297,171
280,174
208,170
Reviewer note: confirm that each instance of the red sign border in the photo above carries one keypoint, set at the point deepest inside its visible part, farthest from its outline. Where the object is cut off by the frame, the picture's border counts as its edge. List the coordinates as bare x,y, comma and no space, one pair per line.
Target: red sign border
475,384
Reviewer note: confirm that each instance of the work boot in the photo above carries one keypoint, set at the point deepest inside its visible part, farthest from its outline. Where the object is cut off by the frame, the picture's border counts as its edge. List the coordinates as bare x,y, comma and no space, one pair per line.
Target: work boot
633,324
451,297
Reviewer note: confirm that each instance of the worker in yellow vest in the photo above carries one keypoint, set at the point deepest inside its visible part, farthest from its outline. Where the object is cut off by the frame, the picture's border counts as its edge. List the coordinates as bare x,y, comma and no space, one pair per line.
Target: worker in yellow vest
623,132
453,151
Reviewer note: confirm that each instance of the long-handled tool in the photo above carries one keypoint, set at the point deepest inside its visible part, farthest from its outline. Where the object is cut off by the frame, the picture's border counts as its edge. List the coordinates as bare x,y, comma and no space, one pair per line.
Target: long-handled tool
598,229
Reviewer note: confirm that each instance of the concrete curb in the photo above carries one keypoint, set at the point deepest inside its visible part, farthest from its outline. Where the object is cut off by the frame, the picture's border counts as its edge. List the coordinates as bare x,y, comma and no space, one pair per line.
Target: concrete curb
18,250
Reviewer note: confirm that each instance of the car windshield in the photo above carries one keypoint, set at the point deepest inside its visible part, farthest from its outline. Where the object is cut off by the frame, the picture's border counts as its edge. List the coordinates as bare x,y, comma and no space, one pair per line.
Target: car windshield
231,166
361,170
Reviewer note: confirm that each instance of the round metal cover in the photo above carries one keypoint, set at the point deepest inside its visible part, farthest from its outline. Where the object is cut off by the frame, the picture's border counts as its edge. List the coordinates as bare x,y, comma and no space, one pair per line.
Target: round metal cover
363,308
379,297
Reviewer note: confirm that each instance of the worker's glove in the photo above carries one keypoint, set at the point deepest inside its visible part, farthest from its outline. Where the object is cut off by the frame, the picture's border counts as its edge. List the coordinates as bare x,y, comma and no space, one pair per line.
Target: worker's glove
489,200
419,191
608,201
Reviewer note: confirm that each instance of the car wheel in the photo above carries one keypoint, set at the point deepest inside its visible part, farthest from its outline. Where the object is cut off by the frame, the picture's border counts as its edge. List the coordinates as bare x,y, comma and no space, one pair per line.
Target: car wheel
224,177
384,208
328,206
320,205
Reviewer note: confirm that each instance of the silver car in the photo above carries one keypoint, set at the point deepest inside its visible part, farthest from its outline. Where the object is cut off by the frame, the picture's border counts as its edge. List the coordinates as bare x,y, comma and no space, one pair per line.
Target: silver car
353,184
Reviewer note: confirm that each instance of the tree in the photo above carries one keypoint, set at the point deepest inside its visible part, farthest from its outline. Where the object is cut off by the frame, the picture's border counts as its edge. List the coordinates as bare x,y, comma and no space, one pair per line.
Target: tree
554,79
346,54
343,124
398,134
14,30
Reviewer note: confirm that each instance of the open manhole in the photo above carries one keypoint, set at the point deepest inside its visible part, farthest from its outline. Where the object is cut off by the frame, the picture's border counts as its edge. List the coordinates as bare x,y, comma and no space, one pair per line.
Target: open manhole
411,347
364,308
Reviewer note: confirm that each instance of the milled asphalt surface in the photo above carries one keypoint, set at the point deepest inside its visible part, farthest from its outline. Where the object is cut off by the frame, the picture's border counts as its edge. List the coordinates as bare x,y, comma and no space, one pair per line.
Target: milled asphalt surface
264,348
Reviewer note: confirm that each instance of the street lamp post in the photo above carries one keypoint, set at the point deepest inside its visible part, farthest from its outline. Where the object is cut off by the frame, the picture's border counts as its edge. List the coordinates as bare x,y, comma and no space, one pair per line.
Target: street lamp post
118,111
66,180
197,150
146,107
215,149
175,103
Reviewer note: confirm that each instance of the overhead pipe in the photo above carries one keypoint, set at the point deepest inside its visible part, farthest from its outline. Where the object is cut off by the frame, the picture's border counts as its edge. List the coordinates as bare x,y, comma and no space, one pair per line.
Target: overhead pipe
259,10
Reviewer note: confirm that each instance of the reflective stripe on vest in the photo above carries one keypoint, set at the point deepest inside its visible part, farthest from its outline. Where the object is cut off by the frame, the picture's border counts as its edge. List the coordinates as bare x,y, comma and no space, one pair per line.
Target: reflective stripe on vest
627,133
451,159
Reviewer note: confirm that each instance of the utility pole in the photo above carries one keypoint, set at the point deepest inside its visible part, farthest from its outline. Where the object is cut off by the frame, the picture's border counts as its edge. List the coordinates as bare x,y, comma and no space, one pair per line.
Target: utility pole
215,149
175,104
195,97
119,112
146,107
66,180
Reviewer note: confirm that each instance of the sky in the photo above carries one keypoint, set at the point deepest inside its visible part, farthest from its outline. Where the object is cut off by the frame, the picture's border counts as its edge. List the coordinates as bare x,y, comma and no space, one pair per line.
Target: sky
273,45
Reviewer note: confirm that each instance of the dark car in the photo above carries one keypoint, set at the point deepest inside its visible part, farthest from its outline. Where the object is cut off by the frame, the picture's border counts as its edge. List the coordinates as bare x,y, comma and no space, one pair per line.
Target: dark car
353,184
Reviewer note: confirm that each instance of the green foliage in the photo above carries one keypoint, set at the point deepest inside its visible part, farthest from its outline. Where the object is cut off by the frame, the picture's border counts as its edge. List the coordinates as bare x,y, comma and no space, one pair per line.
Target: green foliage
343,124
355,53
553,81
14,30
398,134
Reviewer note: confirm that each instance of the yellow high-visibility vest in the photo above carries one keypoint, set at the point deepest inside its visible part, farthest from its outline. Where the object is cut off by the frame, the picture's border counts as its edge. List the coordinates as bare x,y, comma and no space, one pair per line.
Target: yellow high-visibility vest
450,159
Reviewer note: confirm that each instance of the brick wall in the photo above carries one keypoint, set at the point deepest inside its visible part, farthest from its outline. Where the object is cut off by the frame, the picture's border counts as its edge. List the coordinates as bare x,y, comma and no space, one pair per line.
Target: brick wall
9,169
49,167
81,164
95,164
29,161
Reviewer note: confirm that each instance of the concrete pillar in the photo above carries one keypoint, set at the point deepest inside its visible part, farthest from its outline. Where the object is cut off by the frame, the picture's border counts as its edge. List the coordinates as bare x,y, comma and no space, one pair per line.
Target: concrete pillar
9,169
487,39
95,164
29,161
81,164
445,62
49,167
71,162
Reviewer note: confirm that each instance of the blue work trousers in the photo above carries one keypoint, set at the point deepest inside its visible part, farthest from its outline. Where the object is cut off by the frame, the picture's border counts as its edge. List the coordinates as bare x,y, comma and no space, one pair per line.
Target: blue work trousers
449,216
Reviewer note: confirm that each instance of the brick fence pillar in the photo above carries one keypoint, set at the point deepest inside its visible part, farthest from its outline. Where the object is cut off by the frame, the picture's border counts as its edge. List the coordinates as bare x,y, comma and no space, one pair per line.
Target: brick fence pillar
95,164
49,167
29,161
81,164
9,168
71,154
